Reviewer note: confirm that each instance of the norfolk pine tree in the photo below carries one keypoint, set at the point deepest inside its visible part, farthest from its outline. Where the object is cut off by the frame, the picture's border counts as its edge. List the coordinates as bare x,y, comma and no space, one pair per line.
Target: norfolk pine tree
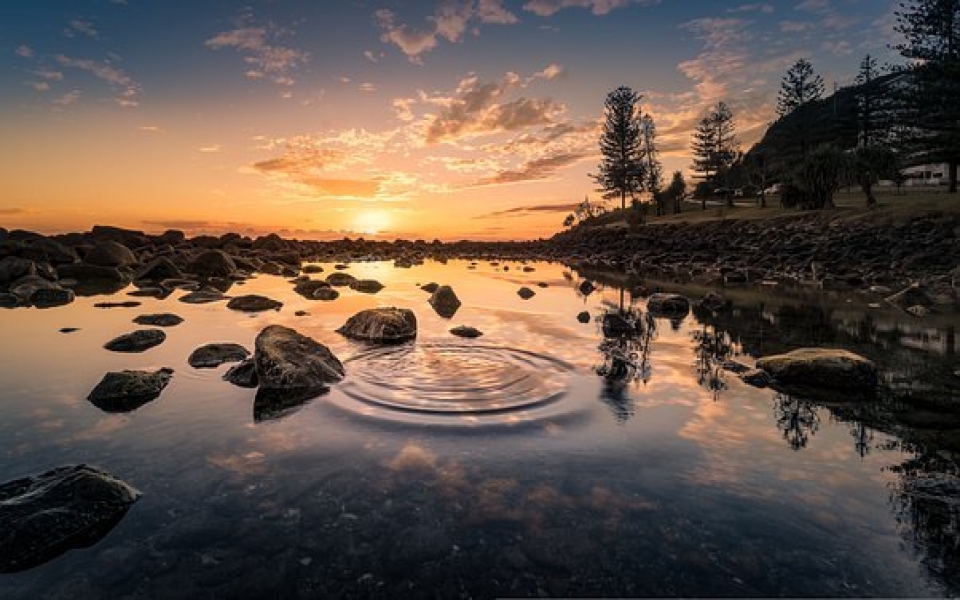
800,86
621,170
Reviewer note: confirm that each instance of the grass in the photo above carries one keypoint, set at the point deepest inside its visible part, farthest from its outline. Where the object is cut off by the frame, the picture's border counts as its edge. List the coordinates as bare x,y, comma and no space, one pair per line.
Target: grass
850,205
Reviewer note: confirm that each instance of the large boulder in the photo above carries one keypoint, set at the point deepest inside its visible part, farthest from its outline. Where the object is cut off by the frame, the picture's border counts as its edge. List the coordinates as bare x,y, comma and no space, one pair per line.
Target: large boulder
158,269
821,368
253,303
444,301
388,325
49,251
123,391
136,341
43,516
668,305
88,272
110,254
212,263
51,297
215,354
287,360
13,268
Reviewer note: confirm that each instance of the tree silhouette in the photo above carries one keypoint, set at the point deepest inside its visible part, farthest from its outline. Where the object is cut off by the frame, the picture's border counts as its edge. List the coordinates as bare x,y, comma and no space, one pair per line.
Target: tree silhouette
621,170
715,147
797,419
713,347
932,32
653,175
800,86
625,353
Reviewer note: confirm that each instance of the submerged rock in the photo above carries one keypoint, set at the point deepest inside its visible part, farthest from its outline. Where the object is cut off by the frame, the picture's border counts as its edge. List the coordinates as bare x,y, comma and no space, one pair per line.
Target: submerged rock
821,368
123,391
366,286
668,305
215,354
388,325
270,404
444,301
586,287
43,516
243,374
526,293
136,341
202,297
287,360
123,304
465,331
430,287
340,279
253,303
159,320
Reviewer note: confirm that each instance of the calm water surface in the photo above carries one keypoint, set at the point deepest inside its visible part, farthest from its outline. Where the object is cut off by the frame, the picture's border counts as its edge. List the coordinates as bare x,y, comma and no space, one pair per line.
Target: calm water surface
538,459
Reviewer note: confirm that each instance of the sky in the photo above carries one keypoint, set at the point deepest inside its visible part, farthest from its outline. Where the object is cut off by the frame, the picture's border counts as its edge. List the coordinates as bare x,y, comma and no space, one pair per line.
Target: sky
316,119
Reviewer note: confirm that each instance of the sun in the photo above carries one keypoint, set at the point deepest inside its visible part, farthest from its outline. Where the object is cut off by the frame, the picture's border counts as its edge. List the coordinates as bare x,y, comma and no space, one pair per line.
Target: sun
371,222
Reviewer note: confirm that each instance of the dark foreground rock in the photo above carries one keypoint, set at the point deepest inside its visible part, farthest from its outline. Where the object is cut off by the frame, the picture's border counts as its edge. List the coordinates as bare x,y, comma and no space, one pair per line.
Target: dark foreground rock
253,303
213,355
123,391
159,320
821,368
42,517
444,301
136,341
289,361
386,325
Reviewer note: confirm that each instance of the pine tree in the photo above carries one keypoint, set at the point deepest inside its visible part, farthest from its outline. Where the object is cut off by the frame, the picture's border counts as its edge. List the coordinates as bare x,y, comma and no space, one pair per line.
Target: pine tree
715,146
932,44
676,190
800,86
867,101
621,170
653,171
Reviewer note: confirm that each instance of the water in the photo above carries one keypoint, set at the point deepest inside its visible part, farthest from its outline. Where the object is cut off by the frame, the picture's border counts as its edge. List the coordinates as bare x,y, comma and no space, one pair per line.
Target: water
537,459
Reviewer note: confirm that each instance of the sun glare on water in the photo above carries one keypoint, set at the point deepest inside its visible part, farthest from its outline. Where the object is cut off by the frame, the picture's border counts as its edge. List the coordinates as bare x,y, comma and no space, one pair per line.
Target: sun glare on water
371,222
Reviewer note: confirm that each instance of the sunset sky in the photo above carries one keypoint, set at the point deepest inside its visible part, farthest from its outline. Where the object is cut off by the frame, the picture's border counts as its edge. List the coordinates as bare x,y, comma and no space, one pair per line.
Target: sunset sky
318,119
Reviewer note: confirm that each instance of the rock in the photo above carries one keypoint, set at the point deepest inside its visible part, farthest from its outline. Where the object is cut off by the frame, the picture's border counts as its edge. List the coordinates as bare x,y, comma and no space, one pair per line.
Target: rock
86,272
50,297
757,378
243,374
42,517
202,297
341,266
528,269
543,284
466,331
287,360
158,269
212,263
215,354
311,269
124,304
615,326
586,287
526,293
735,278
68,329
110,254
340,279
48,251
366,286
13,268
444,301
713,301
386,325
136,341
269,404
311,288
326,294
430,287
300,313
918,310
124,391
253,303
821,367
159,320
668,305
583,316
8,300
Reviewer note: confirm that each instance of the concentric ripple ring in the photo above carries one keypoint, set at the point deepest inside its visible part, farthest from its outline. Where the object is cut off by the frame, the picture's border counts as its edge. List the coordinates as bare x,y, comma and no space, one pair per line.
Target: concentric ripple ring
441,379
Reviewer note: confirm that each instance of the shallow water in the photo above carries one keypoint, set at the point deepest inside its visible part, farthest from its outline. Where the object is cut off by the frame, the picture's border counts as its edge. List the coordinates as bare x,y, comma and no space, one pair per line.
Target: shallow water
537,459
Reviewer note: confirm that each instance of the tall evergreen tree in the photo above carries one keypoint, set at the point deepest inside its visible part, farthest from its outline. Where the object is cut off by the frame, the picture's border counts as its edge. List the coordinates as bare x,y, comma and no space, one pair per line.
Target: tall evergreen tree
931,29
868,100
653,170
715,146
621,169
800,86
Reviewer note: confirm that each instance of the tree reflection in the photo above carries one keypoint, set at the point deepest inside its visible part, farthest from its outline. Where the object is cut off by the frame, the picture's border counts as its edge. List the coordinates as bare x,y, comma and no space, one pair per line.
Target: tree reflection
625,353
797,419
714,347
862,438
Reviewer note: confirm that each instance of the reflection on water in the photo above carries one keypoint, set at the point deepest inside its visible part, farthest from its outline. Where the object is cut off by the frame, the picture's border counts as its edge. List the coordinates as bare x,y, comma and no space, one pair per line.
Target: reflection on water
620,456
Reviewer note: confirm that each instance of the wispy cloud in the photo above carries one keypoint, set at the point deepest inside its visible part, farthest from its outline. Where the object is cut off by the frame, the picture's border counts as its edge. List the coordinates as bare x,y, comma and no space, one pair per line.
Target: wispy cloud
548,8
758,7
24,51
266,59
538,169
449,21
115,77
82,27
527,209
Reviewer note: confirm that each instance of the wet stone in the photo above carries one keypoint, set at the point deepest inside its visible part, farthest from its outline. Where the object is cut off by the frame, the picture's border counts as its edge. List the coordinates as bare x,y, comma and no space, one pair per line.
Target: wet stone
124,391
385,325
215,354
159,320
136,341
465,331
253,303
526,293
444,301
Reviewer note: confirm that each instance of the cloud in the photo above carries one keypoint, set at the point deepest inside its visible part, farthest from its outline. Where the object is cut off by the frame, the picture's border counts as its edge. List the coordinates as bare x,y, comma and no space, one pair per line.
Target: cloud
537,169
68,98
40,86
80,26
266,60
116,78
49,74
548,8
795,26
449,21
360,188
12,211
24,51
213,149
150,128
551,71
758,7
367,87
525,210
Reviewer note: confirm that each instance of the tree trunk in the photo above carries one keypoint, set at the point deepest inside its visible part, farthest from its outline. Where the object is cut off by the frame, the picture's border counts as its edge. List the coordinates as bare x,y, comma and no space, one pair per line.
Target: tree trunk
867,186
953,177
623,199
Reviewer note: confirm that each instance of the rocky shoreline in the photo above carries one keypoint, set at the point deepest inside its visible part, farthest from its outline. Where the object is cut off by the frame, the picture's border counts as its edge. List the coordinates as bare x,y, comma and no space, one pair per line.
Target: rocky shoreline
807,249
